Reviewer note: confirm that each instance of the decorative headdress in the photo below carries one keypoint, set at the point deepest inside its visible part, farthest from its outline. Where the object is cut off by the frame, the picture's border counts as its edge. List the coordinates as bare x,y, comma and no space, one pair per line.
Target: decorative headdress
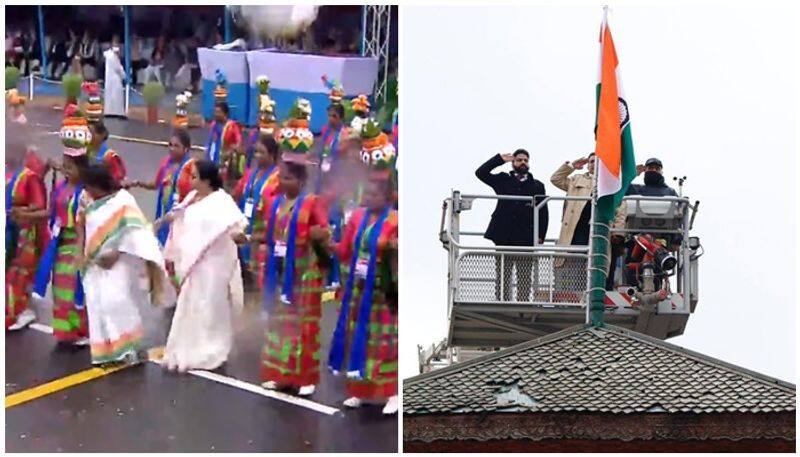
221,90
14,98
181,118
266,107
16,102
94,103
360,106
75,133
336,90
376,149
295,139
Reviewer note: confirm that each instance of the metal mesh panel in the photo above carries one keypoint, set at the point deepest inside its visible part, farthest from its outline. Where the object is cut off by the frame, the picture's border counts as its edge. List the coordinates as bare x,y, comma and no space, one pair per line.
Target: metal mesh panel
510,277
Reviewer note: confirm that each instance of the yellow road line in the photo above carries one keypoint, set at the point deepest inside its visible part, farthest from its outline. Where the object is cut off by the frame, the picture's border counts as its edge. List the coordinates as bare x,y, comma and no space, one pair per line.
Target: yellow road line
59,384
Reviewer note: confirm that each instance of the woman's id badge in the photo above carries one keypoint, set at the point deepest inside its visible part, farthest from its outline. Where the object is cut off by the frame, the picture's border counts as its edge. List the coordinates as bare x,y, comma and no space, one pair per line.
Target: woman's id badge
280,249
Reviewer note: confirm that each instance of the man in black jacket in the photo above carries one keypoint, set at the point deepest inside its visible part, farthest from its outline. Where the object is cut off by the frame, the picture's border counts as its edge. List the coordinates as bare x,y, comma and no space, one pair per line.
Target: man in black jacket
654,186
512,221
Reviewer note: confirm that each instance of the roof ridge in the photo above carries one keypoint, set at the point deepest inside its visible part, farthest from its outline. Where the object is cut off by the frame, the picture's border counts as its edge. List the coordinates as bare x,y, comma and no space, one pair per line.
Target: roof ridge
497,354
702,358
659,344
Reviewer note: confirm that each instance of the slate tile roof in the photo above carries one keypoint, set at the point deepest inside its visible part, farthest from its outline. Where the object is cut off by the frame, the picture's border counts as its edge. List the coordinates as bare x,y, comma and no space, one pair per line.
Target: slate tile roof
585,369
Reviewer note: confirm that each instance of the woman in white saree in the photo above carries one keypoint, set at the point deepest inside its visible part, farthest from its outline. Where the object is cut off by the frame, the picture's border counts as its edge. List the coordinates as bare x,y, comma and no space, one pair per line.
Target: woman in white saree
124,269
202,252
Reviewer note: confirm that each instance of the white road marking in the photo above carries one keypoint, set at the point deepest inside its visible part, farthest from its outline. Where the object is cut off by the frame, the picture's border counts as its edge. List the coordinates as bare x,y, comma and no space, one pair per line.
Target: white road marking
233,382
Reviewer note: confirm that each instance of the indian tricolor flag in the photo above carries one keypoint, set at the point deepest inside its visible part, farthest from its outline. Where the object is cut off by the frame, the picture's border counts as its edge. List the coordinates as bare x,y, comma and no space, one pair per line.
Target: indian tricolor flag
614,149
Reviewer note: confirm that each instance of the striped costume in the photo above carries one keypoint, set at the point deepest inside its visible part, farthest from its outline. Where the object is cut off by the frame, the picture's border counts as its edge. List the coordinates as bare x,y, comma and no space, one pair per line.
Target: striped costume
291,353
24,241
69,315
375,378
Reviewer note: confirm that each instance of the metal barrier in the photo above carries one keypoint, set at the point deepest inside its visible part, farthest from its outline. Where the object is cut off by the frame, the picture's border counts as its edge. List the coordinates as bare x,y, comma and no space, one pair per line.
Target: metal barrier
545,275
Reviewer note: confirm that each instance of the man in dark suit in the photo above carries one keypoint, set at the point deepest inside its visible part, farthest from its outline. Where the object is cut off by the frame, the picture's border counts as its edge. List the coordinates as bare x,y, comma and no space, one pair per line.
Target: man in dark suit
512,221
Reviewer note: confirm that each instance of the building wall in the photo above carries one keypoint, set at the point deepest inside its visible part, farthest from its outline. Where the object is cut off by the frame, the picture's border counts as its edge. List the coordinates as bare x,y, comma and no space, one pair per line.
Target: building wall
601,446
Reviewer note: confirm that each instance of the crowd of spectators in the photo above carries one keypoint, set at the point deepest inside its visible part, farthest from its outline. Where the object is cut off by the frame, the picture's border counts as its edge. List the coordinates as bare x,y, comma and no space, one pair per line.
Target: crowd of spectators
163,49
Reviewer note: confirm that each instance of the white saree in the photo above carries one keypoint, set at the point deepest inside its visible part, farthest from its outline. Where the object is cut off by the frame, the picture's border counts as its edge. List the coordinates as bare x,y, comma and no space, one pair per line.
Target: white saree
138,278
207,264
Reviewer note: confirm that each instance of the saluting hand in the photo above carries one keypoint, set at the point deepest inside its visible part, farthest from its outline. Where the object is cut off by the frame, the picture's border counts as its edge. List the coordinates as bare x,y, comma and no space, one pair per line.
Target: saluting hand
579,163
507,157
640,169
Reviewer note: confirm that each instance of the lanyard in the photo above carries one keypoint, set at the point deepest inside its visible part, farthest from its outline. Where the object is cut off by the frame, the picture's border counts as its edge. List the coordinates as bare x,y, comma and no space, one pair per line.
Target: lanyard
335,143
175,175
214,143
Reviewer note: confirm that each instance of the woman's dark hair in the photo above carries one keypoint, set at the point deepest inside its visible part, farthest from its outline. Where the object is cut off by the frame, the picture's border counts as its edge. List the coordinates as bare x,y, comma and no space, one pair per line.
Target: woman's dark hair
224,107
271,144
183,137
208,171
297,170
100,129
98,176
339,109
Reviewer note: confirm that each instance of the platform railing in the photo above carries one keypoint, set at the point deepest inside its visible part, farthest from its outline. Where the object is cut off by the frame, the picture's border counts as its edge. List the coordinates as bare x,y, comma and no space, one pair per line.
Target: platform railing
547,274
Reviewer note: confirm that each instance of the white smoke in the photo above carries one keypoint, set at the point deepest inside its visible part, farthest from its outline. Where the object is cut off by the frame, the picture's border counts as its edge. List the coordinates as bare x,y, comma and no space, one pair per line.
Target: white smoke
276,21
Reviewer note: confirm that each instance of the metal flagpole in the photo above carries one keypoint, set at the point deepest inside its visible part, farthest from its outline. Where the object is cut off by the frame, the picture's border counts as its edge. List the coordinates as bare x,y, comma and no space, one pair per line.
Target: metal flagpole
227,32
43,67
589,270
598,269
599,243
127,10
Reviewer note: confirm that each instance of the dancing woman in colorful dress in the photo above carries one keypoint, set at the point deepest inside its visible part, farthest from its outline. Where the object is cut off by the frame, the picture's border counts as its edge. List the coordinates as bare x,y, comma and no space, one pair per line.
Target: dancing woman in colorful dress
64,252
26,234
364,342
100,153
259,182
124,269
202,251
173,180
296,227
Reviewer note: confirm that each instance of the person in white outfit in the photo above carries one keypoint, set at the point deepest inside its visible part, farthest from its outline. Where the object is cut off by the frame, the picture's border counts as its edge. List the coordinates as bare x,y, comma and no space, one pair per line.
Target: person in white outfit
202,256
114,91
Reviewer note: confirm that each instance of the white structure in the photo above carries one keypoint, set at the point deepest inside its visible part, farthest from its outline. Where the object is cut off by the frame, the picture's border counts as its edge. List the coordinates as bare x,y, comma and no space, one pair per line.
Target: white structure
375,42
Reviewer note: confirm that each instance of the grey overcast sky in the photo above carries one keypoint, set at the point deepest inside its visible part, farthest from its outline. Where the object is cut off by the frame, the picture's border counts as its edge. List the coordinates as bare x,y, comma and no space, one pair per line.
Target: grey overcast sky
711,92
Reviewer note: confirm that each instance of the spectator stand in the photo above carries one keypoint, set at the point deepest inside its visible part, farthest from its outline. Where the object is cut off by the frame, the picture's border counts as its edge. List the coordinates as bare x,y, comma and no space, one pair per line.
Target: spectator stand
299,75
